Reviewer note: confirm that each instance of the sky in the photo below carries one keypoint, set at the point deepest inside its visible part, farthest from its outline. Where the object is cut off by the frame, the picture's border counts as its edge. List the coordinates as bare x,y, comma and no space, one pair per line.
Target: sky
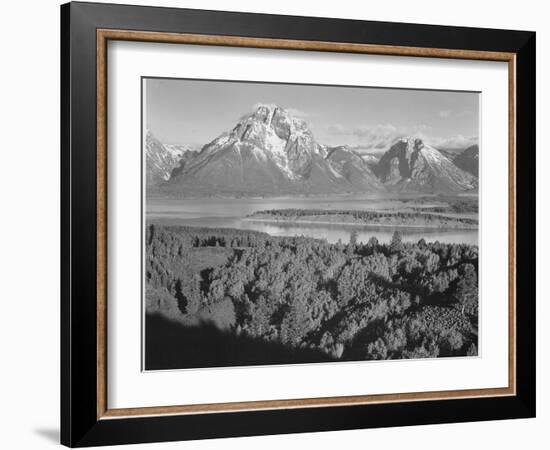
180,111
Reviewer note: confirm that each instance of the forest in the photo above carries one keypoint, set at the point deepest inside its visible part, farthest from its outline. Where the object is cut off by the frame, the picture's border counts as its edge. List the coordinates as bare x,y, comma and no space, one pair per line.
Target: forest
234,297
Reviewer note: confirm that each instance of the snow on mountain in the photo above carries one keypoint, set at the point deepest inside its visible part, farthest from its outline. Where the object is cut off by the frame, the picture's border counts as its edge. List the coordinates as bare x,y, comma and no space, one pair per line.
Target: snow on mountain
178,150
160,160
269,152
412,166
368,158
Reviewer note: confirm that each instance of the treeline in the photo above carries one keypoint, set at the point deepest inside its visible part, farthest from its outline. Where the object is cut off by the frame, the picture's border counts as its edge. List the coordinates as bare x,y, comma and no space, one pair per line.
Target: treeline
458,208
176,238
353,301
370,217
454,204
463,206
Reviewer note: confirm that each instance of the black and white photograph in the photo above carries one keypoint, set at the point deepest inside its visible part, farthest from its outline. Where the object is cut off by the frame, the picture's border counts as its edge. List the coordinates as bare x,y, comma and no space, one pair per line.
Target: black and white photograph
293,224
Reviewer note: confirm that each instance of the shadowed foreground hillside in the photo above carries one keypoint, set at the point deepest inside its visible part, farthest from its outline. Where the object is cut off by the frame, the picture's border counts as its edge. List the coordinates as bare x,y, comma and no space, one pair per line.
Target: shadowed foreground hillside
224,297
171,345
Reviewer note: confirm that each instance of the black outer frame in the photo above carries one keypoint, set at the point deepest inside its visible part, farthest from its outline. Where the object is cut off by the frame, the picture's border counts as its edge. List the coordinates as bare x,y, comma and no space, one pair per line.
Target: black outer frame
79,423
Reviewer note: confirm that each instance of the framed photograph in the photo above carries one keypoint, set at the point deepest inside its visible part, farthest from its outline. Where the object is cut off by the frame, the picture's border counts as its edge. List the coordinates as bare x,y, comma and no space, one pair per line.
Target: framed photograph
276,224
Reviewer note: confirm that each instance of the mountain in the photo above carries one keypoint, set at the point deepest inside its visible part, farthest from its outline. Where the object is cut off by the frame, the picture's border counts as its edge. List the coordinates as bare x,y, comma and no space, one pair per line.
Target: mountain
163,159
270,152
450,155
353,168
183,162
181,149
160,160
468,160
412,166
371,160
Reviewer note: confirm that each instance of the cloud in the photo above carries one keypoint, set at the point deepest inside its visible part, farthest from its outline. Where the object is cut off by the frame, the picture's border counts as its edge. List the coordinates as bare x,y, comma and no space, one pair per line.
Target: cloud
457,142
369,134
298,113
373,138
378,138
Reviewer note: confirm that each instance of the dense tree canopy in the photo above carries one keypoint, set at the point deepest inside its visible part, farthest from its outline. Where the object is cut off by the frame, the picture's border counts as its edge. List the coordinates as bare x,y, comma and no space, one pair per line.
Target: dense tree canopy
352,301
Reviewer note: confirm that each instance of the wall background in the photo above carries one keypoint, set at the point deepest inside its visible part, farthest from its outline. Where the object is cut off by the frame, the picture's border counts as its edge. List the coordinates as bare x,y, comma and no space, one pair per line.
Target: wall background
29,248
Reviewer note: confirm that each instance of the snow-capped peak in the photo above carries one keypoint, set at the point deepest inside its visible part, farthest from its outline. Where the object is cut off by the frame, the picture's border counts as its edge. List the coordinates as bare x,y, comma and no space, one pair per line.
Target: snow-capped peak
280,119
413,143
273,133
265,111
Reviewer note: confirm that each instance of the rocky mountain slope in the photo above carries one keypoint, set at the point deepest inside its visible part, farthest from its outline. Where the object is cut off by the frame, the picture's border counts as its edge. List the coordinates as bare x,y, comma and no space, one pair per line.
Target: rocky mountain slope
468,160
412,166
162,159
353,168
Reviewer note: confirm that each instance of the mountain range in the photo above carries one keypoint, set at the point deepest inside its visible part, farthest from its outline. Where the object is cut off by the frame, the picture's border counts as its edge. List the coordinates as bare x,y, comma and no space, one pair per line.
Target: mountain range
269,152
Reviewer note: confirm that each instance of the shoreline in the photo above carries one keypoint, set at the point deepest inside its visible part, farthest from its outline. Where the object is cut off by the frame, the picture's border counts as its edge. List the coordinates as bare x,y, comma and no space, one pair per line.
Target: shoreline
361,224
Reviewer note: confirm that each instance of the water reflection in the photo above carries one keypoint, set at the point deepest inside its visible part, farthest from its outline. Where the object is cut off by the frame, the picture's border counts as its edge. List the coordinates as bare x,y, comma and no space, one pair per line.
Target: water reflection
332,233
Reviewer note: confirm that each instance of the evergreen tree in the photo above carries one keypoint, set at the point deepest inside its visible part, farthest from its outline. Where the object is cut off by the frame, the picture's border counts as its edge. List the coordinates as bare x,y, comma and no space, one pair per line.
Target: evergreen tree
396,244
